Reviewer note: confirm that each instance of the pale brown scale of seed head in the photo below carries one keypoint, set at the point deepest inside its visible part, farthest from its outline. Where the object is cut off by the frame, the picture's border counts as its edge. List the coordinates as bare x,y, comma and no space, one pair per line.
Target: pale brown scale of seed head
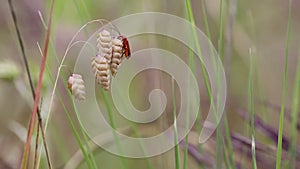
76,86
117,53
104,44
101,71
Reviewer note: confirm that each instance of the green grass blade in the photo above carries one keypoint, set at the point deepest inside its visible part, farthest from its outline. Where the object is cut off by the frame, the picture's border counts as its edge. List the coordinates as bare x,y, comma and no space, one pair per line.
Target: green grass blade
220,146
295,109
281,118
85,138
220,42
251,100
177,158
192,20
228,141
186,146
113,125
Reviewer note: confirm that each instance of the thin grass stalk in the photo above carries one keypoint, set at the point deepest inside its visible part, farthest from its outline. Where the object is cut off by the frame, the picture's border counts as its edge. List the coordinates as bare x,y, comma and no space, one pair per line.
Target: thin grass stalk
219,136
281,118
295,109
204,73
254,166
227,163
186,146
219,148
30,82
36,146
229,143
190,17
192,20
176,150
25,158
191,63
260,91
205,76
228,138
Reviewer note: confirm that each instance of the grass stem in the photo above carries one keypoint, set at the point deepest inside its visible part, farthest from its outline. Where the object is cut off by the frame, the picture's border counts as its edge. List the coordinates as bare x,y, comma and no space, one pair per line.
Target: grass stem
177,158
281,118
251,100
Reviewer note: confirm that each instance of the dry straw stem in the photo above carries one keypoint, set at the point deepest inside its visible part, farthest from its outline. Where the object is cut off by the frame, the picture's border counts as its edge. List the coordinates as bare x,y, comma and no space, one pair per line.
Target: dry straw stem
31,85
25,158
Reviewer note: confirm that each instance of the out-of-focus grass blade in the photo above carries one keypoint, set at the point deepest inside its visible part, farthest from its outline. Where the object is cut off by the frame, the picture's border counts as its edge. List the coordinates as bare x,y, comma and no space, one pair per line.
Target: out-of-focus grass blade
281,118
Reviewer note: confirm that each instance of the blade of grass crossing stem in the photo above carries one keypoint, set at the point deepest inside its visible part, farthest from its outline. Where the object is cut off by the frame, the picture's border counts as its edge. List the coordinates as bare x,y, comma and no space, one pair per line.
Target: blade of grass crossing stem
295,109
281,118
251,105
33,115
177,158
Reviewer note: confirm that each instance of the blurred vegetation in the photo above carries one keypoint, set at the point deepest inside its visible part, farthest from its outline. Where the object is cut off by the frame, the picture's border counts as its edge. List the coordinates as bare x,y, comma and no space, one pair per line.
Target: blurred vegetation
259,25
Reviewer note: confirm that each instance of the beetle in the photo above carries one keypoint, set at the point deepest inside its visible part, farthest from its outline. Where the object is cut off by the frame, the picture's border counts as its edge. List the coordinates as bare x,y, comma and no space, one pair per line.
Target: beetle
126,47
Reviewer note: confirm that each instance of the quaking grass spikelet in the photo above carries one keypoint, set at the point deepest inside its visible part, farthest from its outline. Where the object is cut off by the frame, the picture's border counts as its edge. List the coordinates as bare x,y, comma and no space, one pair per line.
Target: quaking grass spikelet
76,86
117,52
101,71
